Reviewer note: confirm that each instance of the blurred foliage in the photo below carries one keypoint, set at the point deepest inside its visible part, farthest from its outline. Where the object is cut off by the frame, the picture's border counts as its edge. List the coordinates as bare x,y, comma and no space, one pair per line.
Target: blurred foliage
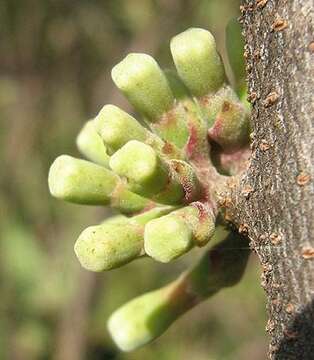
56,57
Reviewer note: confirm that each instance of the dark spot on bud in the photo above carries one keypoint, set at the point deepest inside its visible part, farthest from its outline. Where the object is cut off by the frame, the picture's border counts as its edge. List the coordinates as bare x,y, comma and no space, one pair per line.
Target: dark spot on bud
167,148
226,106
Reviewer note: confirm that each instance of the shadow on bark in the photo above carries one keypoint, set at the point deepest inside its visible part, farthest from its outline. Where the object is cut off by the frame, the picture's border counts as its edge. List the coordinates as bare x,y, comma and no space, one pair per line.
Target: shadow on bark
299,337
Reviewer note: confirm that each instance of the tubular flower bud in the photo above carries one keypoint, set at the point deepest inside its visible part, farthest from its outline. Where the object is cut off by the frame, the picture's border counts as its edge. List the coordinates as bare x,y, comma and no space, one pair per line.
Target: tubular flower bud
144,84
115,242
147,173
199,66
109,245
227,118
170,236
146,317
82,182
91,145
197,61
116,128
141,80
231,127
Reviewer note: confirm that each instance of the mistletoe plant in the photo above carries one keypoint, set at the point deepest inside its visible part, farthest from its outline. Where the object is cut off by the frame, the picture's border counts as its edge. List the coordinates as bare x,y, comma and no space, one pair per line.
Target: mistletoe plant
164,174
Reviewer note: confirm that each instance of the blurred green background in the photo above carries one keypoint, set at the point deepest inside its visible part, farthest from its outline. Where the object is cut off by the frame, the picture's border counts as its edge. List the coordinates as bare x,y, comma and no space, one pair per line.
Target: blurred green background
55,62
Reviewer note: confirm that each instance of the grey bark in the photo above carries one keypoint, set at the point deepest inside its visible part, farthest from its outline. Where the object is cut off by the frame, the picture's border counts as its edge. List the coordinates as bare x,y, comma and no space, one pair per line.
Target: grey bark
274,201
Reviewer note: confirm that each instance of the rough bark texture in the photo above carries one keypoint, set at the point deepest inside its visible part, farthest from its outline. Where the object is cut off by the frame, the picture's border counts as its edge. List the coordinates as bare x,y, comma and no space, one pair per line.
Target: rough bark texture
273,203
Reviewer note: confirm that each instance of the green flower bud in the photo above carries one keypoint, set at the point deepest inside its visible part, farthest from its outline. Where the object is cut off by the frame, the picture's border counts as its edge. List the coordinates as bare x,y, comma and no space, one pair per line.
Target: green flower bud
173,235
82,182
168,238
147,173
115,242
142,81
197,61
143,319
116,127
91,146
212,104
231,127
146,317
227,118
109,245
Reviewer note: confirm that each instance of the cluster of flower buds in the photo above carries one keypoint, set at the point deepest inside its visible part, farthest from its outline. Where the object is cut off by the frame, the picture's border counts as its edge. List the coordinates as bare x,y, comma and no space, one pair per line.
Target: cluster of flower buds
158,173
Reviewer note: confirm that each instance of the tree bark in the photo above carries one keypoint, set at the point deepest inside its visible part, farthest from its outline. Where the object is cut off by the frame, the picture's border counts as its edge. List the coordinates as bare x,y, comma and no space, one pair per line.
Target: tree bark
273,201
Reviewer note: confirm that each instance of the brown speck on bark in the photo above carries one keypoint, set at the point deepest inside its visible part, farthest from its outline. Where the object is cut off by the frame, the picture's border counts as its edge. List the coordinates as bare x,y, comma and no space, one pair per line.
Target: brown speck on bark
270,326
311,46
273,348
275,239
308,253
248,68
243,228
303,178
264,146
252,97
289,308
231,183
225,201
246,191
256,54
279,25
290,334
271,99
276,286
262,238
261,3
276,303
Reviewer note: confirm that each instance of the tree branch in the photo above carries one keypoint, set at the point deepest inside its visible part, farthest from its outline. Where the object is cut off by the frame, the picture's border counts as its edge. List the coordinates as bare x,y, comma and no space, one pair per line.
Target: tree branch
273,201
